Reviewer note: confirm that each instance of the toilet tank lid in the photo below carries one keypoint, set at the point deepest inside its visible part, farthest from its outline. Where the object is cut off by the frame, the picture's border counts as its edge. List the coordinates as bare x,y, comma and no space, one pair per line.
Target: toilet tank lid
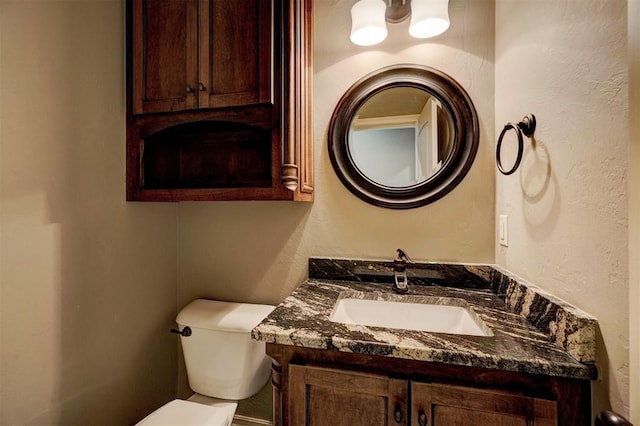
224,316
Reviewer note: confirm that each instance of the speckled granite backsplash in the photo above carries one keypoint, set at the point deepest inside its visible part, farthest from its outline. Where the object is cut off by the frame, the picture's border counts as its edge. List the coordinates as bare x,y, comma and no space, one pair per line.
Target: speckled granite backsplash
566,326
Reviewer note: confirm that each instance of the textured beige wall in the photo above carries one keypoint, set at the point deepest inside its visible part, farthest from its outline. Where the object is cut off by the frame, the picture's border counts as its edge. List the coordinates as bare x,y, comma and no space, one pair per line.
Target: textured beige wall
88,281
634,207
258,251
566,61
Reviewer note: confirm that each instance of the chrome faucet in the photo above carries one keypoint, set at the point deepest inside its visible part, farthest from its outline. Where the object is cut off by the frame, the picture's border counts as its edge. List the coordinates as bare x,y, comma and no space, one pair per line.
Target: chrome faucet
400,282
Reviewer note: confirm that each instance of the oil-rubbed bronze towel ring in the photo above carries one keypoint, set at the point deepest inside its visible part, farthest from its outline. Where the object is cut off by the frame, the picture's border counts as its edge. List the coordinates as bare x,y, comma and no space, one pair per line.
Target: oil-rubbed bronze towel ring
526,126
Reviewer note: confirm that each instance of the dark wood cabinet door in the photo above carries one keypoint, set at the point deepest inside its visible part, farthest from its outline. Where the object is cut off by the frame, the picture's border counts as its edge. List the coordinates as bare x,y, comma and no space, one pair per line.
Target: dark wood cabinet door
165,55
235,48
434,405
326,397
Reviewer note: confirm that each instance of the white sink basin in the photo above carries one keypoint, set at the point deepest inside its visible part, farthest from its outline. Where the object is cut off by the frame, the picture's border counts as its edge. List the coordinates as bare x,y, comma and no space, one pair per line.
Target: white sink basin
432,314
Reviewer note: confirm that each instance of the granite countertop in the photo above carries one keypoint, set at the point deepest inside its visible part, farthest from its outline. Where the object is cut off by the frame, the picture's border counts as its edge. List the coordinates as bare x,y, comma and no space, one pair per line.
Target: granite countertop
302,319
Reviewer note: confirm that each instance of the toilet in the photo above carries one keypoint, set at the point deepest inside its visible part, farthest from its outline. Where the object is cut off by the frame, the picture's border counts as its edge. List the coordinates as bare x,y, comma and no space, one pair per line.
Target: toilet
223,364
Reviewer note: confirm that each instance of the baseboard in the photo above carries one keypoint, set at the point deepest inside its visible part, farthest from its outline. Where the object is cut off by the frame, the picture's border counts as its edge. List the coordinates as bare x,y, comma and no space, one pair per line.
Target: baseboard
240,420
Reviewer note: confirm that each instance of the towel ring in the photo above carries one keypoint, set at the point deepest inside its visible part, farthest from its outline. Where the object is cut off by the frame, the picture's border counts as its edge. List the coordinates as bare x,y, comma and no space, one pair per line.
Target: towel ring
526,126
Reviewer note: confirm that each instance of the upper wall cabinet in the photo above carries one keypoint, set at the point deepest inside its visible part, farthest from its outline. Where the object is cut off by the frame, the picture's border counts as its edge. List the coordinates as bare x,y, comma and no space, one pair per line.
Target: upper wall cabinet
201,54
218,100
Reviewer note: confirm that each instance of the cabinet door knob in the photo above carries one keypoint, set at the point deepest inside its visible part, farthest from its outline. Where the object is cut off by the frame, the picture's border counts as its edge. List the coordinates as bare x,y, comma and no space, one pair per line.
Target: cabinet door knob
397,414
189,89
422,418
201,87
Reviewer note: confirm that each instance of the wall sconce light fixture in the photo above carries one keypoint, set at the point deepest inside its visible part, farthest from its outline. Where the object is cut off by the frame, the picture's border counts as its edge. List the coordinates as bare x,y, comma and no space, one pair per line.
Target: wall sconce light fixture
429,18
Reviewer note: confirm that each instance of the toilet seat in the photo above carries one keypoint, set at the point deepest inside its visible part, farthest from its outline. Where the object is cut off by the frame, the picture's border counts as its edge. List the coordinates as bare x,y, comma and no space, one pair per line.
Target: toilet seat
187,413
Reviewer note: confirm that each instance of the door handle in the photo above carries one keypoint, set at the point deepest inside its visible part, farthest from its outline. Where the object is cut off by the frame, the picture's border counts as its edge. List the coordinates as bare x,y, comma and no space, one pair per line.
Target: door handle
397,414
422,418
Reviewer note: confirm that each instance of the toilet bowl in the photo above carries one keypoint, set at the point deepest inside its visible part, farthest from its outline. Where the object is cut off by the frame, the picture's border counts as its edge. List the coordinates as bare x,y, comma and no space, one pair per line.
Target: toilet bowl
223,364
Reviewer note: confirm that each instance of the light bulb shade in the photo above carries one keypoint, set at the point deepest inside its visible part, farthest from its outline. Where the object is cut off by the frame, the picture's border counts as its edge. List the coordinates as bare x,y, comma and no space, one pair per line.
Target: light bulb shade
368,26
429,18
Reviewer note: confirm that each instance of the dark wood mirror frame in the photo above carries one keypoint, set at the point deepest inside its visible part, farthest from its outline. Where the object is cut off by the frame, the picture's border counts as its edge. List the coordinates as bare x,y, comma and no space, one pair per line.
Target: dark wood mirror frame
456,103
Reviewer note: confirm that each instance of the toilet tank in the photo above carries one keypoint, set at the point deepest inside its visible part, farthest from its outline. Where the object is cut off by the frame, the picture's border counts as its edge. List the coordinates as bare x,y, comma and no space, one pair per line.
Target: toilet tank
221,359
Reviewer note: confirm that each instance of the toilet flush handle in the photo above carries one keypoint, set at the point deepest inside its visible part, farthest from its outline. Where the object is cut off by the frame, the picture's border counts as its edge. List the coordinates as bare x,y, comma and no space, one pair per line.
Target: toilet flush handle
186,331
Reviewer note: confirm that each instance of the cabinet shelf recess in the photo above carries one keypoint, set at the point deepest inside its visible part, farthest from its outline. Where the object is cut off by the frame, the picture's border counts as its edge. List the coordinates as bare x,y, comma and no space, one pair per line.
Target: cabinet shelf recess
207,155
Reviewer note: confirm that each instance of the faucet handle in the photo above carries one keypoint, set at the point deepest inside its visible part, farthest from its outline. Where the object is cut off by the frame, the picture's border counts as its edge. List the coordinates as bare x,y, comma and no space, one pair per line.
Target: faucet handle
400,283
402,255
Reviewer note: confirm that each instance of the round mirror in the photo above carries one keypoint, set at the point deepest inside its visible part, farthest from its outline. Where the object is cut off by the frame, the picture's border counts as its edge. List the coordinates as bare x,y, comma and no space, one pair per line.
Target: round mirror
403,136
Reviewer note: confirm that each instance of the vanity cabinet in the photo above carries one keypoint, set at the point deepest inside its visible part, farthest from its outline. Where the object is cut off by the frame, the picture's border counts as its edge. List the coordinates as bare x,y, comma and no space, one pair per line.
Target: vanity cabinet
325,387
325,396
436,404
218,100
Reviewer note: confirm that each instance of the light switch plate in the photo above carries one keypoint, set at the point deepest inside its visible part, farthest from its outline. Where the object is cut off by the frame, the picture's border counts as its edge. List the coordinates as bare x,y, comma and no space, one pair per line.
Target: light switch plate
503,230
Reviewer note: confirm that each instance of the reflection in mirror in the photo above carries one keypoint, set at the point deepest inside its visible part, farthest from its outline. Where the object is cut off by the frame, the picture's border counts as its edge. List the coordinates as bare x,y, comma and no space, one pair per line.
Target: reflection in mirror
400,137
